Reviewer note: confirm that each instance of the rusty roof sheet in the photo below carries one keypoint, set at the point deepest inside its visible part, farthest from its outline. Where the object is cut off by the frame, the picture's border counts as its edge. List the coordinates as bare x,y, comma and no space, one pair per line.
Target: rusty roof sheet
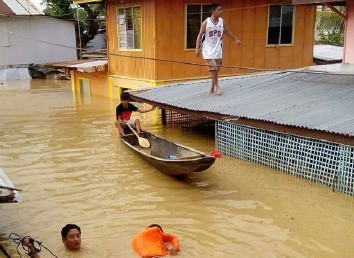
317,101
65,64
18,7
82,65
91,67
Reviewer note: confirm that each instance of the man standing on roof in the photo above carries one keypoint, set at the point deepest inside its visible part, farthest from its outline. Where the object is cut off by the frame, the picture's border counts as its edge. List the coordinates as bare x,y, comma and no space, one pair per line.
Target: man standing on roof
213,29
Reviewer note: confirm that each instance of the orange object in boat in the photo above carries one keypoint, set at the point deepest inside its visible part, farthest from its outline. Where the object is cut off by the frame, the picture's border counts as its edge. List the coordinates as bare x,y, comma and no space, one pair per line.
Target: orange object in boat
152,242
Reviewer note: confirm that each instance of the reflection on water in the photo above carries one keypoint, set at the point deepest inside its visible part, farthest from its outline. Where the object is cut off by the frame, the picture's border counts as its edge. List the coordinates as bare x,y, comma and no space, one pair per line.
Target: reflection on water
74,169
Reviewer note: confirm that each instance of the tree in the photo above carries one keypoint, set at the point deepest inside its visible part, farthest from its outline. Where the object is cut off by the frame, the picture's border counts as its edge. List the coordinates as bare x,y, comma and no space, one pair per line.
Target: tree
85,15
330,28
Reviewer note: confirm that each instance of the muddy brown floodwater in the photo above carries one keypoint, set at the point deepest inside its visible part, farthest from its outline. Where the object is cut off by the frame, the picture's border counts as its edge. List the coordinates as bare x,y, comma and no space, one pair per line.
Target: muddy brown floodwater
73,168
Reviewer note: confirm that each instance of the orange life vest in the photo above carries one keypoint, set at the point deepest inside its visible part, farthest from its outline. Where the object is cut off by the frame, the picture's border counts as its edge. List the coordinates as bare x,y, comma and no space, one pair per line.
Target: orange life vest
151,242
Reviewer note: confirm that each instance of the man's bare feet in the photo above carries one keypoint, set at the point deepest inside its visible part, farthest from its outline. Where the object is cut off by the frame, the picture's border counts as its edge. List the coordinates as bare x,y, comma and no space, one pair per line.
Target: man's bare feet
218,90
211,91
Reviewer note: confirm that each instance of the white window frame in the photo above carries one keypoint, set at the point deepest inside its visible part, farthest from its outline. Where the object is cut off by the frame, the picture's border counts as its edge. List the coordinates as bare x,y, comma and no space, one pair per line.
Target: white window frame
120,22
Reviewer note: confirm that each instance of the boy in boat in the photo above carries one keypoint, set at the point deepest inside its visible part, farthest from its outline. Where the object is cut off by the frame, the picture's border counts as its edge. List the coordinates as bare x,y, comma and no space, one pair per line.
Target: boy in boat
153,242
124,111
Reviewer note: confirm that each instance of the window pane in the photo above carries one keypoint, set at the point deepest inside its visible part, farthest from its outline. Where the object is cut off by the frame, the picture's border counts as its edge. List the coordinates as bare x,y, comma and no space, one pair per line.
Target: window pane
206,12
274,24
193,24
137,27
287,24
193,9
122,31
129,26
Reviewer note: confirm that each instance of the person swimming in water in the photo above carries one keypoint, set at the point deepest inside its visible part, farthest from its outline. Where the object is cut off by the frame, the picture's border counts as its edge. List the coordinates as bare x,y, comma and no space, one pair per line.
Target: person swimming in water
152,241
71,237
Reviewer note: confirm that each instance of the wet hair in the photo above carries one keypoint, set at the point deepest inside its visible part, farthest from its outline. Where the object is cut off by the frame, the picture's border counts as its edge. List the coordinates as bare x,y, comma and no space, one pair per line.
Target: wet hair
155,225
65,230
125,96
213,7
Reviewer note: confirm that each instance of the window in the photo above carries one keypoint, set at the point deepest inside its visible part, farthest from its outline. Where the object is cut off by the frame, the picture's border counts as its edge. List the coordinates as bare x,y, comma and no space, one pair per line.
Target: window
196,14
129,28
280,24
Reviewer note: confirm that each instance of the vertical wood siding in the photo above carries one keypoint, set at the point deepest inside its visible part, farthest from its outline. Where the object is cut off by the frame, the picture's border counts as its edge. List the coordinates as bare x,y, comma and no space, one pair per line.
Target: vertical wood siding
164,38
128,66
98,82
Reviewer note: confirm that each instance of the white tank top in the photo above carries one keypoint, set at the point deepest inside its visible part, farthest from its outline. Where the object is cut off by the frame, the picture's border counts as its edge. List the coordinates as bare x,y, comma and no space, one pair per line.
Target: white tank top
212,45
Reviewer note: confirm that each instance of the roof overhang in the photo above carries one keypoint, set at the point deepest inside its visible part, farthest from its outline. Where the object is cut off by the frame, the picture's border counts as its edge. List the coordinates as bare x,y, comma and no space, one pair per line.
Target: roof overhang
86,1
18,8
90,67
84,66
298,2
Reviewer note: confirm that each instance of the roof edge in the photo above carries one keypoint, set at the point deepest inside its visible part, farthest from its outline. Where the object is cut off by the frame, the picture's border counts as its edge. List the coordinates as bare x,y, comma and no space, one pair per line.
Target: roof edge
86,1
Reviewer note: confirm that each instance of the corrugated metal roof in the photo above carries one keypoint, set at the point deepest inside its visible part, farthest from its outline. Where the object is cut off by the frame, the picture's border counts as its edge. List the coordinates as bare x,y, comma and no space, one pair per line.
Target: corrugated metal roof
65,64
83,65
328,52
311,100
18,7
91,66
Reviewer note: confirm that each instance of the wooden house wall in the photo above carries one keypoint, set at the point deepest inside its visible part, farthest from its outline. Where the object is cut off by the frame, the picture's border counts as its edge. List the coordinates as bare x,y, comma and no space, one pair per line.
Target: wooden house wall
163,33
247,23
98,82
128,66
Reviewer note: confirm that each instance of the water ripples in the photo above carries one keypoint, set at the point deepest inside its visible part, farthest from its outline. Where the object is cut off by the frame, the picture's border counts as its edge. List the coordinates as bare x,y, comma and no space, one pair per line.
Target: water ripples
74,169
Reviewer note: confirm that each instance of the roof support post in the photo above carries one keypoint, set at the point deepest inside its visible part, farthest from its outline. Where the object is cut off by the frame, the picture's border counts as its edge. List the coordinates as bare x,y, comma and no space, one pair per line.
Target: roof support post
334,9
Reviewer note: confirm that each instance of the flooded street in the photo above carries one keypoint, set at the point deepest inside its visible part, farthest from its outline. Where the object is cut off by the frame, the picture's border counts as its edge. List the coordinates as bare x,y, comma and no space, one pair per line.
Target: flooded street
73,168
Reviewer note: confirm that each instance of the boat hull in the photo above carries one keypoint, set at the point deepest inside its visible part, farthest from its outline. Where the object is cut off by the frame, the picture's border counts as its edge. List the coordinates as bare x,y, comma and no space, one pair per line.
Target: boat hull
168,157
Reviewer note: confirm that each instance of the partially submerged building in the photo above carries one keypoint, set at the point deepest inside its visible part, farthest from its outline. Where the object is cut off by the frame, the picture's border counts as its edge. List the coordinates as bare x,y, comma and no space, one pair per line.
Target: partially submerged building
300,122
28,37
88,76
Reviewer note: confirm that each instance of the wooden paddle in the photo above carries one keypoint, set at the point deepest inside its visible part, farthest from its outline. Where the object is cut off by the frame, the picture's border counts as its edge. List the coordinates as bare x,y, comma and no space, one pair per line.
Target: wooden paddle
143,142
9,188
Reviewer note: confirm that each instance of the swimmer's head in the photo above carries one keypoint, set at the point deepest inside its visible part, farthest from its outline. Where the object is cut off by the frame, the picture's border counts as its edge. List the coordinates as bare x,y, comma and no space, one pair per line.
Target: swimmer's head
155,225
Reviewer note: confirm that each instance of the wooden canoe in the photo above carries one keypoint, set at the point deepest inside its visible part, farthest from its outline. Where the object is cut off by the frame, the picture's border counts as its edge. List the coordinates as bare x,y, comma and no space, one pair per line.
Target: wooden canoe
170,158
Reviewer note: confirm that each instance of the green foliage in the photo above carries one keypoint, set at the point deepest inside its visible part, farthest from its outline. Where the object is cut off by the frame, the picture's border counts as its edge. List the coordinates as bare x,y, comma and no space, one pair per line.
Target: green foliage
330,28
85,15
60,9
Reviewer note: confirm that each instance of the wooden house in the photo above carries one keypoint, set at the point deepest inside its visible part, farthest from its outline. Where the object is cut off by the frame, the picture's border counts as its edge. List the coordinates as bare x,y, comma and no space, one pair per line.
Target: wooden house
152,42
299,122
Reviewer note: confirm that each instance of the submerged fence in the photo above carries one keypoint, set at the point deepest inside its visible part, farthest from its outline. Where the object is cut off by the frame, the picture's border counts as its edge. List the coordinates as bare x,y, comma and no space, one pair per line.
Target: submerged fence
323,162
184,120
